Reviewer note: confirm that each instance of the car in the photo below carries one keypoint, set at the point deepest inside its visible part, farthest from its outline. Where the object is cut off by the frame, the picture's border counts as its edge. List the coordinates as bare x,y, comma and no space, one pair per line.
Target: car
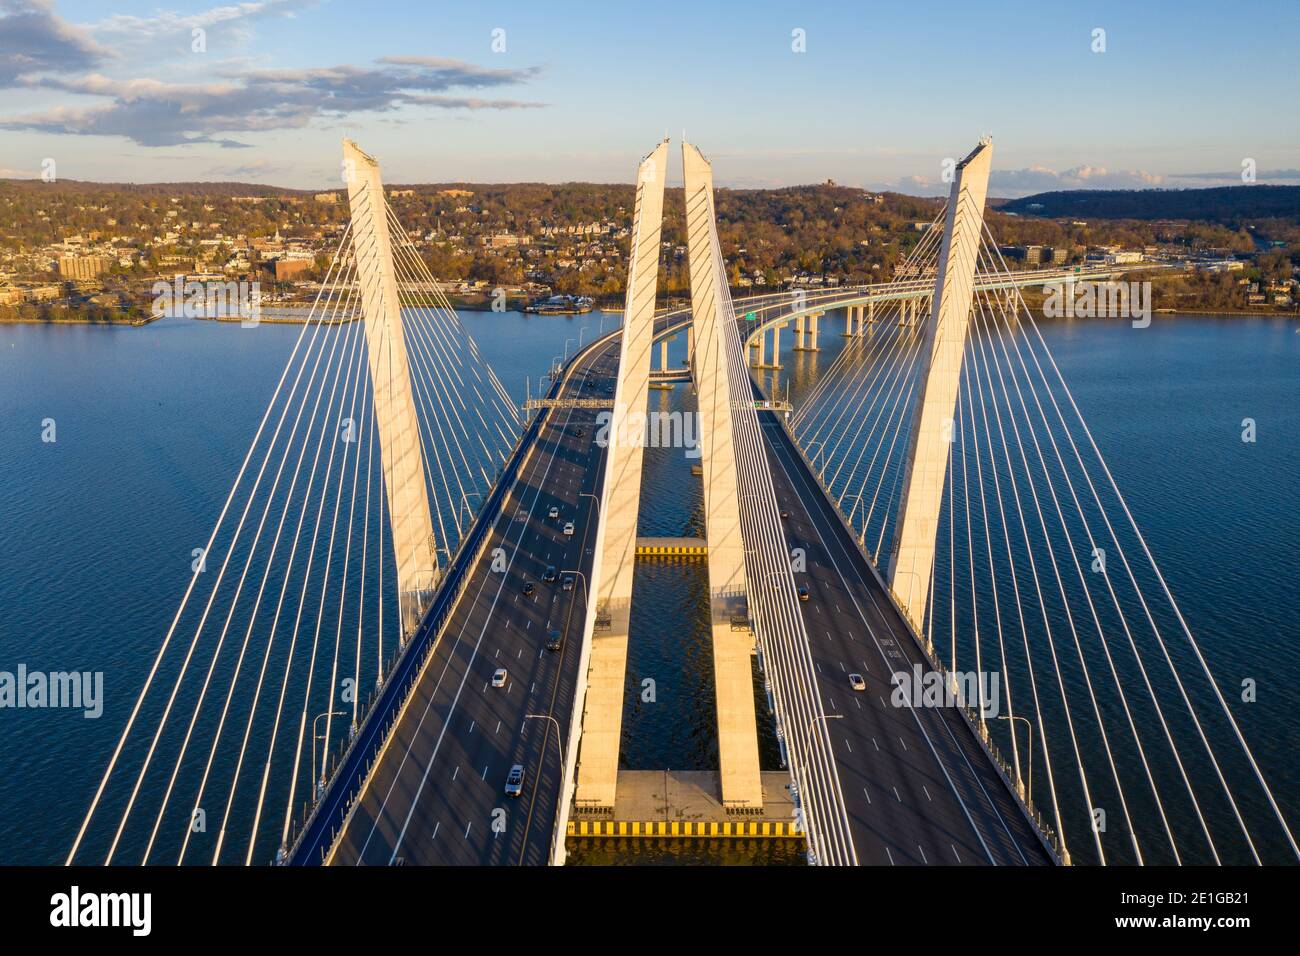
549,574
784,515
803,595
567,582
553,513
554,641
515,781
499,677
578,431
568,527
857,682
529,588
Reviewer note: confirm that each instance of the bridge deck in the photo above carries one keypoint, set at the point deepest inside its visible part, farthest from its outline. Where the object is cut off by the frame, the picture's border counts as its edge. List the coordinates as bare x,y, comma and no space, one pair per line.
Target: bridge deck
918,787
436,795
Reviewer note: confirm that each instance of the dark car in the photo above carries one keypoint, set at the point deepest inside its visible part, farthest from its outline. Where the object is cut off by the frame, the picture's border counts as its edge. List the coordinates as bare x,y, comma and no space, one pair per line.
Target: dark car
529,588
567,582
554,641
549,574
803,594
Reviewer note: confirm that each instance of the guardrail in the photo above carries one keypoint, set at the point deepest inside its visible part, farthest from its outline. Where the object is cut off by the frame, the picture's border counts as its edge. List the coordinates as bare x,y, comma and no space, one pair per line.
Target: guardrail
354,765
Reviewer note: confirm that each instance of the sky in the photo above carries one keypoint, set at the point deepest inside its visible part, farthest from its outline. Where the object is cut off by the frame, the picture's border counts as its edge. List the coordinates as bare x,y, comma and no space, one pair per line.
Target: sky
876,95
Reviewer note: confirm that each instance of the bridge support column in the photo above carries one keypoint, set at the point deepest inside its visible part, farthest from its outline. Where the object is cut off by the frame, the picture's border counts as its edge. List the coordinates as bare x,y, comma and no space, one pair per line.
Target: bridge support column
813,332
850,313
871,315
798,333
620,501
926,464
390,377
733,640
663,355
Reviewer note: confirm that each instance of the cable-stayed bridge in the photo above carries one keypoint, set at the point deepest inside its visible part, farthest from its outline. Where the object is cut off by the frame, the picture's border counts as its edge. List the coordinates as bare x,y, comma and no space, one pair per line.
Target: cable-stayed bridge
966,645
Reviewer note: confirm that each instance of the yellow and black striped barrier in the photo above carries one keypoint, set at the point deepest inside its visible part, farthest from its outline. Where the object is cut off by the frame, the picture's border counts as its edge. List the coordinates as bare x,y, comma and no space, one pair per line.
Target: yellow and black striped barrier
707,829
672,551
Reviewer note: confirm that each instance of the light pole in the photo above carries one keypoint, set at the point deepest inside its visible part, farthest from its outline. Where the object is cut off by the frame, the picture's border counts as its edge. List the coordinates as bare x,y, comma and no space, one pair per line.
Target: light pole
813,459
464,501
315,737
1029,799
822,717
559,743
857,501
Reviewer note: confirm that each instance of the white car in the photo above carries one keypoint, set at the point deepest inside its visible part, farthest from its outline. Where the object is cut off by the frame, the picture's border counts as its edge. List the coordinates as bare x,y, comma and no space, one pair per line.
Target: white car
515,781
857,682
499,677
553,513
568,527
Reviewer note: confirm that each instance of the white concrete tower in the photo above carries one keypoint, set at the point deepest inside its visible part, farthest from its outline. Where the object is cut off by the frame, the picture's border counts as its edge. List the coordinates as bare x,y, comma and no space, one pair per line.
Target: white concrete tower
620,501
732,639
390,377
944,341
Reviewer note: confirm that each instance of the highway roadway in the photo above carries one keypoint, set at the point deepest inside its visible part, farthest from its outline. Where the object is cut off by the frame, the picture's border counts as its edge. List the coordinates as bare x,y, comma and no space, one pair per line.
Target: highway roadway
437,794
917,785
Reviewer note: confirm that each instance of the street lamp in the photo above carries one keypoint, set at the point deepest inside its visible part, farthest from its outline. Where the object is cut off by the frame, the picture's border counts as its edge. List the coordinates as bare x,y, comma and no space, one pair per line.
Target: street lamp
1029,799
559,743
822,717
821,446
464,502
320,782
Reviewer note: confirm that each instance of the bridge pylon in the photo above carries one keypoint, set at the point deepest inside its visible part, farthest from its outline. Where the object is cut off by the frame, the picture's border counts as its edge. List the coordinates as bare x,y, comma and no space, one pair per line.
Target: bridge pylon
615,550
395,415
942,347
733,638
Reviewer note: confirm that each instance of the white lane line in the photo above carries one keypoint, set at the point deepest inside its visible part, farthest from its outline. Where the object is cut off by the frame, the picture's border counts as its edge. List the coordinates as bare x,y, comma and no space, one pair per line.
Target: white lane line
923,857
434,835
781,457
891,857
456,698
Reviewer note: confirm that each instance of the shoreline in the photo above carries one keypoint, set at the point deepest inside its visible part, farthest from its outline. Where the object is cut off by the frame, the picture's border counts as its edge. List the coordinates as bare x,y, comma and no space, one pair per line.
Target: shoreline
287,320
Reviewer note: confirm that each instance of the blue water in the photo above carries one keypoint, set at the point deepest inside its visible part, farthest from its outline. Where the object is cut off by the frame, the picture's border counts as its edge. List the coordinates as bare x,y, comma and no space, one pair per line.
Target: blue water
98,526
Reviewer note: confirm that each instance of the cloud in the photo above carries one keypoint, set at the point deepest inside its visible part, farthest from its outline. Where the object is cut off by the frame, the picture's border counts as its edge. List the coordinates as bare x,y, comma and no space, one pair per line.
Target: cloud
33,39
235,19
154,113
1037,179
1232,177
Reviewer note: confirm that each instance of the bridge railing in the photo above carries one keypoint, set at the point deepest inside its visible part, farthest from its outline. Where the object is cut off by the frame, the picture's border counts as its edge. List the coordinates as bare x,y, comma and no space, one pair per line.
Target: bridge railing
357,758
1046,833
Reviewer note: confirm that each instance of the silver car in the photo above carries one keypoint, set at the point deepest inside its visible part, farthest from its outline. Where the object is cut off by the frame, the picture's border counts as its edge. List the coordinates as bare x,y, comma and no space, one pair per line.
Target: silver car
515,781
